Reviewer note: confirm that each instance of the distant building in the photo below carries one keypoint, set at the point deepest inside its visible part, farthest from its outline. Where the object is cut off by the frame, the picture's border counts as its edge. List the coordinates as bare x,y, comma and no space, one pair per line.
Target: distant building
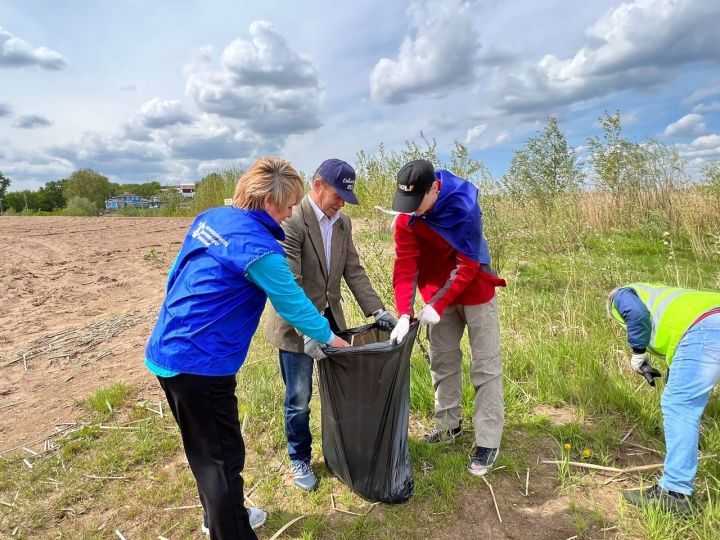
129,200
186,190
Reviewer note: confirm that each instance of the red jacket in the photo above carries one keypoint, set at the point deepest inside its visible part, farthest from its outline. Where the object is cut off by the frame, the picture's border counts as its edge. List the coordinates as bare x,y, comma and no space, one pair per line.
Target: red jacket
444,275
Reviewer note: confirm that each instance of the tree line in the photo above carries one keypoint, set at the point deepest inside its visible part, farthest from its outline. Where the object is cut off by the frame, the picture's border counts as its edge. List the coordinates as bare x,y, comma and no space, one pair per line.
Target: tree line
84,187
544,170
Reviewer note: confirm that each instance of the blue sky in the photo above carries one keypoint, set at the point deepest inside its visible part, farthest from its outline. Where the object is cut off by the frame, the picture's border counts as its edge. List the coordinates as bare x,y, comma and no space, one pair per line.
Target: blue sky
170,90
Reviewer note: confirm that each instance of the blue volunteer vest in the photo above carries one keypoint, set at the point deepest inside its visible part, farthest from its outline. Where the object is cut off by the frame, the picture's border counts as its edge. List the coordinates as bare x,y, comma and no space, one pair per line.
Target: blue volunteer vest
211,310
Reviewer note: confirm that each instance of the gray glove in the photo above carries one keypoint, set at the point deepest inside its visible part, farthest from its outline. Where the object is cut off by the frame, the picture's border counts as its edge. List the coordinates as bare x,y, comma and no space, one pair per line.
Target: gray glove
384,320
314,348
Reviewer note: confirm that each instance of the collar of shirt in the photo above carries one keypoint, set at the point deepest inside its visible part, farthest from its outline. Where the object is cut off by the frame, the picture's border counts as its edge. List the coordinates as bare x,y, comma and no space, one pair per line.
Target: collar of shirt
319,214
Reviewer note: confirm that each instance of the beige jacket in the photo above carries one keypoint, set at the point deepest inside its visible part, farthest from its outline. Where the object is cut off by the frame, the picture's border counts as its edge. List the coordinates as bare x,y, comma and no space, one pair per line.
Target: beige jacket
306,257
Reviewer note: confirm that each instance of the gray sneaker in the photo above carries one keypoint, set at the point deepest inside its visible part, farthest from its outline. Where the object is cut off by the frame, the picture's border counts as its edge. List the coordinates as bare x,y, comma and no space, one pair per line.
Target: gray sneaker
256,516
303,475
482,460
671,501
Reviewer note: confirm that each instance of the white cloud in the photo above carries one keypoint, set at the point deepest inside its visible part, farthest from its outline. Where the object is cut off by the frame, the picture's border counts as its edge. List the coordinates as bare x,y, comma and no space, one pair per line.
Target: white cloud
483,136
271,89
440,53
209,141
113,155
30,169
700,153
713,106
635,45
16,52
474,134
707,147
690,125
702,93
135,130
5,110
31,121
268,61
157,113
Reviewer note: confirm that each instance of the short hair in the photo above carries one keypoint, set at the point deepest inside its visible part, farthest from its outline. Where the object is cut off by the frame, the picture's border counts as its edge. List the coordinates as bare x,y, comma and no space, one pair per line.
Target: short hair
268,176
317,176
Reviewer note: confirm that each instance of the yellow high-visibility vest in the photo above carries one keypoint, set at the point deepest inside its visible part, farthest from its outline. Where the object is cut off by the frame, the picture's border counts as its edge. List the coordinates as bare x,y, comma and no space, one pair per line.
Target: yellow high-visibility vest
672,312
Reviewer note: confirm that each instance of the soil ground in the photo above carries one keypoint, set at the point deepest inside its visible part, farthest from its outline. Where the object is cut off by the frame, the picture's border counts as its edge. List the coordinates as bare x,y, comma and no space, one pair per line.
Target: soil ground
81,279
79,300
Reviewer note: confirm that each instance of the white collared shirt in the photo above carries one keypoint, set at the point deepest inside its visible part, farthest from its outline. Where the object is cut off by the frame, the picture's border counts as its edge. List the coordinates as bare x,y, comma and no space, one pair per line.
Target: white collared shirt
326,229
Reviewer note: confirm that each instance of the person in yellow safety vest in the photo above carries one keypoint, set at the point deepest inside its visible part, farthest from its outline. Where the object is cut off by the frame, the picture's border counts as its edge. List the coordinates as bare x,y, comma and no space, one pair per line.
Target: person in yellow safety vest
683,327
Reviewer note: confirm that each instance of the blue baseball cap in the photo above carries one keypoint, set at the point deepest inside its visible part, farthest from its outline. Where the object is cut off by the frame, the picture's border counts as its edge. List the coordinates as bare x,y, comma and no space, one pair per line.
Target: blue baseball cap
341,176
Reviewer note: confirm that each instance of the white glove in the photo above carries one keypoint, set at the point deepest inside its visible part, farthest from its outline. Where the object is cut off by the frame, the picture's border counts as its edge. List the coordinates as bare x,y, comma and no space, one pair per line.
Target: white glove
428,315
401,329
637,360
313,348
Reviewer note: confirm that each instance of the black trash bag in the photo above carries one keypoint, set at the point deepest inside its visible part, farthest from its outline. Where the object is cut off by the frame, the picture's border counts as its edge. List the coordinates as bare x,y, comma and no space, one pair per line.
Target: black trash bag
365,396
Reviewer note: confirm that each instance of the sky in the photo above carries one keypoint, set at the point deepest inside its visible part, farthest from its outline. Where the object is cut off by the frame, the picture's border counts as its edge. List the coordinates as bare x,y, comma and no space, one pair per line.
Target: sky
171,90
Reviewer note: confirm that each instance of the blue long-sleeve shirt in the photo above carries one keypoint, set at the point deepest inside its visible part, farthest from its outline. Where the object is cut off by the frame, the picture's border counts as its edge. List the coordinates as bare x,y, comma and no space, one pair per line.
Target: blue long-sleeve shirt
272,274
636,317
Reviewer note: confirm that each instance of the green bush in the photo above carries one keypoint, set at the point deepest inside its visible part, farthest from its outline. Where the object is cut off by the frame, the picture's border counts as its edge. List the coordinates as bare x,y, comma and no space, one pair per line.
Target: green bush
80,206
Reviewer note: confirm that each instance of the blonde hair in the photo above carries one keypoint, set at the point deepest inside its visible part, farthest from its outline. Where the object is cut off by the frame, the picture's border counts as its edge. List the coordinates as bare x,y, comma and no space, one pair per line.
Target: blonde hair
268,176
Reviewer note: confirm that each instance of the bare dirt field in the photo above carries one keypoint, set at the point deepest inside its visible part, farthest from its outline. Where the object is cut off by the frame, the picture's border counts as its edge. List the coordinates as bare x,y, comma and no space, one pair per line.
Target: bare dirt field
79,297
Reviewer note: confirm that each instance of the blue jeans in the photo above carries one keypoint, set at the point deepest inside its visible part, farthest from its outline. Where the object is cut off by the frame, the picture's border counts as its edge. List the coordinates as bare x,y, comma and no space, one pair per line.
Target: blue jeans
297,370
694,372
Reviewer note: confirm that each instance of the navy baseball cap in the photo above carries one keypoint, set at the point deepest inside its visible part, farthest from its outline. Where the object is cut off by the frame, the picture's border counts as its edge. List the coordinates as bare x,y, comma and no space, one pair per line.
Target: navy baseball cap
341,176
413,181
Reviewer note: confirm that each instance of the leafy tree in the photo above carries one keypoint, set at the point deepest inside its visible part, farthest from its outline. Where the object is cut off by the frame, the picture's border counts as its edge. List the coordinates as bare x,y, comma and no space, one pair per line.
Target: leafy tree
376,173
641,177
22,200
465,166
4,184
545,168
89,184
147,190
214,188
614,159
51,196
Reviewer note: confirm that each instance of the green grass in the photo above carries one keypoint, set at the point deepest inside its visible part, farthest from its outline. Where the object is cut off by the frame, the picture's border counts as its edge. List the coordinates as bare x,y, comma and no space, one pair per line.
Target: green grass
561,354
104,402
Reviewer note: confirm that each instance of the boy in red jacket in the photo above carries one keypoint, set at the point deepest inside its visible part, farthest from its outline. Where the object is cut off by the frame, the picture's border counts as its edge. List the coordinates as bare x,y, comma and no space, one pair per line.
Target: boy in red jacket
440,249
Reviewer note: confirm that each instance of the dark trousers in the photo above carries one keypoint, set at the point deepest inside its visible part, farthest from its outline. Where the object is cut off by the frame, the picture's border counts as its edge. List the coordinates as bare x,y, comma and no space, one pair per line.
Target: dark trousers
206,410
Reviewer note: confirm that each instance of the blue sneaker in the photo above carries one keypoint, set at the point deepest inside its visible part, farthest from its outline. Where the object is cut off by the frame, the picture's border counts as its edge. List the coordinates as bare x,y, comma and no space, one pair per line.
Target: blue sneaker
303,475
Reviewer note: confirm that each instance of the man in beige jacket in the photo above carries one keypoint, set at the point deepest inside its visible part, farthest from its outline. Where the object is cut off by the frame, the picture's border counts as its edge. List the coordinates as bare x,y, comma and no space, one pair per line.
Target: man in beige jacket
320,251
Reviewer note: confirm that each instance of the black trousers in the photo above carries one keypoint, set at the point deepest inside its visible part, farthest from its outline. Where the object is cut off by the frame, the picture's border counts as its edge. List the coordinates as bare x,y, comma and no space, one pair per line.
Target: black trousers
205,408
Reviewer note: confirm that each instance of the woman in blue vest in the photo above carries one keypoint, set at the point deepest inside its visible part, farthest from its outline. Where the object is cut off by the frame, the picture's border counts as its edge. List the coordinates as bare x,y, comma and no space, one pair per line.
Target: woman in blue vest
229,264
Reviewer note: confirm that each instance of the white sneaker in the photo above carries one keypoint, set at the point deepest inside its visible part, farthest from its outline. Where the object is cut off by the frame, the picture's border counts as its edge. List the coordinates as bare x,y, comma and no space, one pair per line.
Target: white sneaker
257,517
